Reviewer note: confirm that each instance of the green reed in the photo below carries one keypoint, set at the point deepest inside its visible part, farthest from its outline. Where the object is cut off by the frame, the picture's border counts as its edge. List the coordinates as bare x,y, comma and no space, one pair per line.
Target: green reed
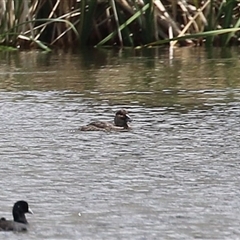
223,15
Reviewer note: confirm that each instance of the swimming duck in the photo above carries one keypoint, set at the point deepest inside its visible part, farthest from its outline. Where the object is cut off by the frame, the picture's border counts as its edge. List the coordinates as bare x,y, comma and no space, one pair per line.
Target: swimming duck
121,120
19,222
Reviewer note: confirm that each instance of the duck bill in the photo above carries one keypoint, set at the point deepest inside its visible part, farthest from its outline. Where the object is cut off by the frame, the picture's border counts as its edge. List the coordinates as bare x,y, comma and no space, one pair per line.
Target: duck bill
30,211
128,118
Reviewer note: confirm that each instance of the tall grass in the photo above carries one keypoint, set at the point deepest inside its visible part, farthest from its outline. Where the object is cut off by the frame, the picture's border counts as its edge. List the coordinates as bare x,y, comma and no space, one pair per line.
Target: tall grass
74,23
223,15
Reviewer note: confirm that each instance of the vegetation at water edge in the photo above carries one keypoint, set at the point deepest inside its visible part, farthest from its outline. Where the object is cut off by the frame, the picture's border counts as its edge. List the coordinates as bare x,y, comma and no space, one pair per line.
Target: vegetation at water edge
49,24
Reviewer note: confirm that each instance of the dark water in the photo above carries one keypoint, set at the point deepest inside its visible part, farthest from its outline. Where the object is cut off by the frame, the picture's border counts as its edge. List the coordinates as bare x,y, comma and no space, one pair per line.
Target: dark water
175,175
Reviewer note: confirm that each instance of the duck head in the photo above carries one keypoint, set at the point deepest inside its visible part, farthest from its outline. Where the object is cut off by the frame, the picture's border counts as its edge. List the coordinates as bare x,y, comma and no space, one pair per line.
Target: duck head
122,118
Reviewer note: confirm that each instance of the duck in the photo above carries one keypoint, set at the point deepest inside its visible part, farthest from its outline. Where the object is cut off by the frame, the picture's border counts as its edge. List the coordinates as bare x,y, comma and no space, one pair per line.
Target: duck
121,120
19,222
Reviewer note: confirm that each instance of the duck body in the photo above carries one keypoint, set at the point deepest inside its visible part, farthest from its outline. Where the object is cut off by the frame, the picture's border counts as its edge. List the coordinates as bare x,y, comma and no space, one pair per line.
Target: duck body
19,222
121,120
8,225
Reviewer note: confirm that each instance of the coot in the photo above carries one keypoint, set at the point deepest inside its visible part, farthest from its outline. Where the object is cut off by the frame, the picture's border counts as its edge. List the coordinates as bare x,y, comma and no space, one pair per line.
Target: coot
19,222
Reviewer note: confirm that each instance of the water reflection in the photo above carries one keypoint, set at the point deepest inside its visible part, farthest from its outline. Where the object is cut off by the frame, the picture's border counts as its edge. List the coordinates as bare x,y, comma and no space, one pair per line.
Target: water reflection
130,76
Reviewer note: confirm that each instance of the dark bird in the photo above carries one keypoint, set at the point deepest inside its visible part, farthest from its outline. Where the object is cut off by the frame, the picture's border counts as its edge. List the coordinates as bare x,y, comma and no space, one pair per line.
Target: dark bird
19,222
121,120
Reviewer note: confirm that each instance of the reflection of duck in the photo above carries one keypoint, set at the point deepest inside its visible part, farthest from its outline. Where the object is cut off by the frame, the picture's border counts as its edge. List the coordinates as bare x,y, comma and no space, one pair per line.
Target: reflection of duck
121,120
19,222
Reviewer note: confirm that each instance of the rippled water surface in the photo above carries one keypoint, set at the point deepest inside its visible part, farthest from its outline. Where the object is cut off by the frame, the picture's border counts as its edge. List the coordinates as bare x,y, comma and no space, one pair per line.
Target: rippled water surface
175,175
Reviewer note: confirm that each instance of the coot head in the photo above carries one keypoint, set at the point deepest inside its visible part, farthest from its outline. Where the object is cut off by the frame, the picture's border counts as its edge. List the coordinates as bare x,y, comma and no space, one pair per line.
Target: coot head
19,210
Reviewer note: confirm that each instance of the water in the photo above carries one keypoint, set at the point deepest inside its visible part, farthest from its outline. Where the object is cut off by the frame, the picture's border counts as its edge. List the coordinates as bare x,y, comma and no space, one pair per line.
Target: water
174,176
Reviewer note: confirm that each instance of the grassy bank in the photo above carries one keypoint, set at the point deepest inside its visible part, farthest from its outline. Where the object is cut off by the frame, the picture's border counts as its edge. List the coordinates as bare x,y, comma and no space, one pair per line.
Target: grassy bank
59,23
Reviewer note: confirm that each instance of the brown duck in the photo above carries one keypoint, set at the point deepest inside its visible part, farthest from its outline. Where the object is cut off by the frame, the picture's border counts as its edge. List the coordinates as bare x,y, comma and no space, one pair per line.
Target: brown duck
121,120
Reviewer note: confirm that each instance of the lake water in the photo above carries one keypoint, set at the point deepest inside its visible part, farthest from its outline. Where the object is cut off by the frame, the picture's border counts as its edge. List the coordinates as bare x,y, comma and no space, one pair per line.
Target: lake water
175,175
